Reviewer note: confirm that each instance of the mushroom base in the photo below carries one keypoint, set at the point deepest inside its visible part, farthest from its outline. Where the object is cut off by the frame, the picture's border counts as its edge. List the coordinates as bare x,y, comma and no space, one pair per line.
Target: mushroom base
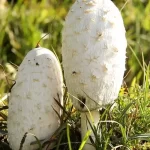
93,118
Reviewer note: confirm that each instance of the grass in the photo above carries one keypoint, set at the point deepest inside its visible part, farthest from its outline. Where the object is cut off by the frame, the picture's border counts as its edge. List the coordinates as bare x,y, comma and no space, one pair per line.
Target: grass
127,126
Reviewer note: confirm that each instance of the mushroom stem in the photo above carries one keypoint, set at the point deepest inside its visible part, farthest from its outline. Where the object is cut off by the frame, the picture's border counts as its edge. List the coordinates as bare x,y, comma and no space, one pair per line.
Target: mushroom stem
93,118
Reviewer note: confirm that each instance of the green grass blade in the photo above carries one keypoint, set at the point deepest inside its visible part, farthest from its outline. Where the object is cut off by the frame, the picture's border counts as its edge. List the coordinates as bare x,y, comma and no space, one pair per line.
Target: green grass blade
24,138
85,139
68,137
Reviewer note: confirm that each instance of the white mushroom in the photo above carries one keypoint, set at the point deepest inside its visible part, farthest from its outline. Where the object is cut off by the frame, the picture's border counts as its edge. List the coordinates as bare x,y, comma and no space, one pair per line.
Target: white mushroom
93,50
31,104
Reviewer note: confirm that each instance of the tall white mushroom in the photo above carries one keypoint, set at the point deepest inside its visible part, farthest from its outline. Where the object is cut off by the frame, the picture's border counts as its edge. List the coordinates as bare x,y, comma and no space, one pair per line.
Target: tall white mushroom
93,50
39,80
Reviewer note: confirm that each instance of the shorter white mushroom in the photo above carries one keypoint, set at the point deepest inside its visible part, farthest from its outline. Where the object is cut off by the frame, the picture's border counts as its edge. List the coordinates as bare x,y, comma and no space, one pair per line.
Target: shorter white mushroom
31,104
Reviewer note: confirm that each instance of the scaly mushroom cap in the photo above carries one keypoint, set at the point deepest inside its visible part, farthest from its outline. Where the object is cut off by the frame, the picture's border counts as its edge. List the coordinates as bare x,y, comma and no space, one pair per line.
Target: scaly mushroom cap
39,81
93,50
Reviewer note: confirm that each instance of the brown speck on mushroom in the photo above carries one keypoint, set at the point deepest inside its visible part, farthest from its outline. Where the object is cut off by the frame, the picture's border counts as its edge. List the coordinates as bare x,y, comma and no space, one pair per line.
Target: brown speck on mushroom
105,46
76,32
88,11
90,3
93,20
48,59
79,18
35,80
106,11
28,96
82,101
85,47
44,85
115,49
74,72
112,23
105,68
37,64
103,18
74,53
83,84
99,36
93,77
38,106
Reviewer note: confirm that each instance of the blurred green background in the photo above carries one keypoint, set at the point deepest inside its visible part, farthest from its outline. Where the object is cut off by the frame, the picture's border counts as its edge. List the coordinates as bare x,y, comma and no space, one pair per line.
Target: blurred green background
24,22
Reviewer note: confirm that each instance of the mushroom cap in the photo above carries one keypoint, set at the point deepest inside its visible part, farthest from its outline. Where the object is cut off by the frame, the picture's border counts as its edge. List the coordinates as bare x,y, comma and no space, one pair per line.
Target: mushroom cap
39,80
94,53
